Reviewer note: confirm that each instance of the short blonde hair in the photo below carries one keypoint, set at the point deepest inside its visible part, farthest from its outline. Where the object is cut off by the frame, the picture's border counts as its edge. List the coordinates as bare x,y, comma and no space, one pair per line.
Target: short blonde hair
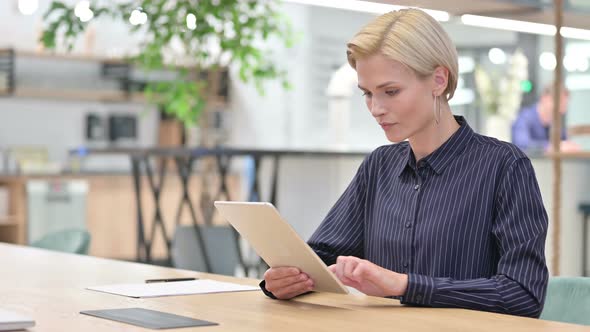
411,37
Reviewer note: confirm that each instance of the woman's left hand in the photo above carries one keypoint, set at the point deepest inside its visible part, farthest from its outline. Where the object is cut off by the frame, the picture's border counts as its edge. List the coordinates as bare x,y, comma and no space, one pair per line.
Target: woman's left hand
369,278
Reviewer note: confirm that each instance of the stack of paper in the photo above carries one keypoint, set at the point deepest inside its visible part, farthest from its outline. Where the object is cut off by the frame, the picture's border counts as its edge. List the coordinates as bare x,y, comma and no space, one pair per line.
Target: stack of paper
172,288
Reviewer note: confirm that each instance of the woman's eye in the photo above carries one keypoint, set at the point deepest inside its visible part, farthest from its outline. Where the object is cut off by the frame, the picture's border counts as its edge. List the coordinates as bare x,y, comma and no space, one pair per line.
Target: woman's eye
367,94
391,92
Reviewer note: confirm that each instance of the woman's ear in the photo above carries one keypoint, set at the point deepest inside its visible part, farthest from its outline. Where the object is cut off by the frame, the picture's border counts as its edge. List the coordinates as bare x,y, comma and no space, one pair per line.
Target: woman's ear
441,80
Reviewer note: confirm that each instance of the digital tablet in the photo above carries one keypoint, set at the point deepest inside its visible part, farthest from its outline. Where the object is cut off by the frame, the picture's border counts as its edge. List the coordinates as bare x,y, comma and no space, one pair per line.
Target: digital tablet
277,243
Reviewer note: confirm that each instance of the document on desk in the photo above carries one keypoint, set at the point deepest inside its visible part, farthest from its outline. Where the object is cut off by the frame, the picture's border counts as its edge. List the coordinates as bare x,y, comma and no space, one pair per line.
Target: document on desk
202,286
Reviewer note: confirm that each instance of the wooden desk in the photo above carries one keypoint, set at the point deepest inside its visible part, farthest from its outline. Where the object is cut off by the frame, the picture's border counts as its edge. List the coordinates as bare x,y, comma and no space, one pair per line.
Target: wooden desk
50,287
109,205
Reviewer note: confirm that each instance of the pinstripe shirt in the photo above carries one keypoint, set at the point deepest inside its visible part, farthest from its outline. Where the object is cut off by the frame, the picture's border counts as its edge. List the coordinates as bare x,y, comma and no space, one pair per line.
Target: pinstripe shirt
466,223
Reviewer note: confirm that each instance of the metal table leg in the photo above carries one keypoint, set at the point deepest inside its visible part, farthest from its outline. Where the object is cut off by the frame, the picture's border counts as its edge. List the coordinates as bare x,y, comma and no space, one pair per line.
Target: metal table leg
185,166
158,220
142,247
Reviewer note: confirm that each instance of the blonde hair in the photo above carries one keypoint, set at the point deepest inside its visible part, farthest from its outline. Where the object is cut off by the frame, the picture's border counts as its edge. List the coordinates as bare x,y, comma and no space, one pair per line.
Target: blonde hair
411,37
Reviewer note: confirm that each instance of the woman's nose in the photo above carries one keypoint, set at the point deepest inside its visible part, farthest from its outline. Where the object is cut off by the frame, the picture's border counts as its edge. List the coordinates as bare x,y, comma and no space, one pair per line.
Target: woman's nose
377,109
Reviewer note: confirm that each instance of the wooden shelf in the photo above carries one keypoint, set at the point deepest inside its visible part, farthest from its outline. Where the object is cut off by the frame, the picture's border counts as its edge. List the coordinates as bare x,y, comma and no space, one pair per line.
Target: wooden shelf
12,225
88,94
8,221
10,229
81,57
67,56
83,95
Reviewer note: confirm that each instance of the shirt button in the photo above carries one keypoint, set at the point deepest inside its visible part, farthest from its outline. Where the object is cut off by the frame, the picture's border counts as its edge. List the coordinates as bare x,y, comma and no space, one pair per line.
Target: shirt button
416,187
419,297
406,264
408,224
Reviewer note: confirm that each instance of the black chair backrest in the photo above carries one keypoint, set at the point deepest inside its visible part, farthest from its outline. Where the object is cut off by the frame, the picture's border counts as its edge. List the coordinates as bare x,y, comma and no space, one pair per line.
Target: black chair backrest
220,245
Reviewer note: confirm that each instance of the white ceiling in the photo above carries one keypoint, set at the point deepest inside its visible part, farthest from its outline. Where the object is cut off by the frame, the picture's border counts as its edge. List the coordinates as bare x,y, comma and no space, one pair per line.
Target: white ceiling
514,10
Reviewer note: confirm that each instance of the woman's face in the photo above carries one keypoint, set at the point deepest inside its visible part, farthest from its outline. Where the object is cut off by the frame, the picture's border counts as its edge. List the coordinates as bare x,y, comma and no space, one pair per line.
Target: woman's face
400,101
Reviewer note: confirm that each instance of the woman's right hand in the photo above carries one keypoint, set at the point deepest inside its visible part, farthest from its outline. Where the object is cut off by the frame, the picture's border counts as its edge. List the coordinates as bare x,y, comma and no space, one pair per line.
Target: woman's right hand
287,282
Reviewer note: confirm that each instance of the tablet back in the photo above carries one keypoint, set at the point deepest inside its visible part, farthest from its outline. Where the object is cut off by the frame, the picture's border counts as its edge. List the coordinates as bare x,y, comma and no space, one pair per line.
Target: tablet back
276,241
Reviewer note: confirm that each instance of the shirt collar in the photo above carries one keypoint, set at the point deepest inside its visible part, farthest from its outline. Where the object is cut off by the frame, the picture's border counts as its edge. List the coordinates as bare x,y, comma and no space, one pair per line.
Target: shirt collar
444,155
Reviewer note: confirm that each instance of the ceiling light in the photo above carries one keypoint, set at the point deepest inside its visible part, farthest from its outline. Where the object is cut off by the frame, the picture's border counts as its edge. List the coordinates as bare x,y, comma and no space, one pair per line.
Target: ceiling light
368,7
191,21
137,17
87,16
547,61
83,11
570,63
497,56
575,33
28,7
505,24
523,26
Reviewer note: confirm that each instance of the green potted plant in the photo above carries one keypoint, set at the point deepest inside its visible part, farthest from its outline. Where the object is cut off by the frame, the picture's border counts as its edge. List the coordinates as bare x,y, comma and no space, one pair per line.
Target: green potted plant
207,36
500,94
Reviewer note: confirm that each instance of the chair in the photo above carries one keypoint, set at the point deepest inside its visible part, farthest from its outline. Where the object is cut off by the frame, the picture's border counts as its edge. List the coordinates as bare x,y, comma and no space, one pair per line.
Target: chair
568,300
220,244
585,209
75,241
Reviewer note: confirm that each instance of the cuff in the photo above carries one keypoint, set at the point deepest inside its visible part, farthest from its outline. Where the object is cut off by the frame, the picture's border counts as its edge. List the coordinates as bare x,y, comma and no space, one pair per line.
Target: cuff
325,253
262,285
420,290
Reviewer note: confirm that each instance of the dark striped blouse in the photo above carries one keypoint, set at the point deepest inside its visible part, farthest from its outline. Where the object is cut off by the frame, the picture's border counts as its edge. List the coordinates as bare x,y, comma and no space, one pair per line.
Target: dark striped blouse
466,223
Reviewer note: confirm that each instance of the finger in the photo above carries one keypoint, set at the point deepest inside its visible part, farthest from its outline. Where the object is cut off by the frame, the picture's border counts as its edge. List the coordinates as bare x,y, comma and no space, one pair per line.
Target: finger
293,290
351,283
346,265
280,273
339,270
346,280
349,268
340,264
332,268
276,284
366,271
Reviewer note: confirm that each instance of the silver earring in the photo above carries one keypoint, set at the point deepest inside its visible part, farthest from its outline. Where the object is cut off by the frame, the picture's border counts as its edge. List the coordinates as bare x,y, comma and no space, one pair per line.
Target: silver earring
438,106
436,109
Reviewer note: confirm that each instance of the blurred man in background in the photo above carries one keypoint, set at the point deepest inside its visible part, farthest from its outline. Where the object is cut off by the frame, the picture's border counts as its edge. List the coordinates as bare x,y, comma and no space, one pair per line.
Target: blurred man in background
531,131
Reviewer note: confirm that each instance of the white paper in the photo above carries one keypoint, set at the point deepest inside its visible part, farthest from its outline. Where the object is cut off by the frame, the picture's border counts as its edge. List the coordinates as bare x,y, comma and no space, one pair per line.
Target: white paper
202,286
10,321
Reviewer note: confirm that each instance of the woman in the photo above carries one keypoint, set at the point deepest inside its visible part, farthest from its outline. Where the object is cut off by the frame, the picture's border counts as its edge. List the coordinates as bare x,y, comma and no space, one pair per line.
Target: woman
449,218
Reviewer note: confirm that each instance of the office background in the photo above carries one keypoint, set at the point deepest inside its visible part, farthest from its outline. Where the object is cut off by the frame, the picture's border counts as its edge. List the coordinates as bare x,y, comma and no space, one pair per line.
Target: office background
58,106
